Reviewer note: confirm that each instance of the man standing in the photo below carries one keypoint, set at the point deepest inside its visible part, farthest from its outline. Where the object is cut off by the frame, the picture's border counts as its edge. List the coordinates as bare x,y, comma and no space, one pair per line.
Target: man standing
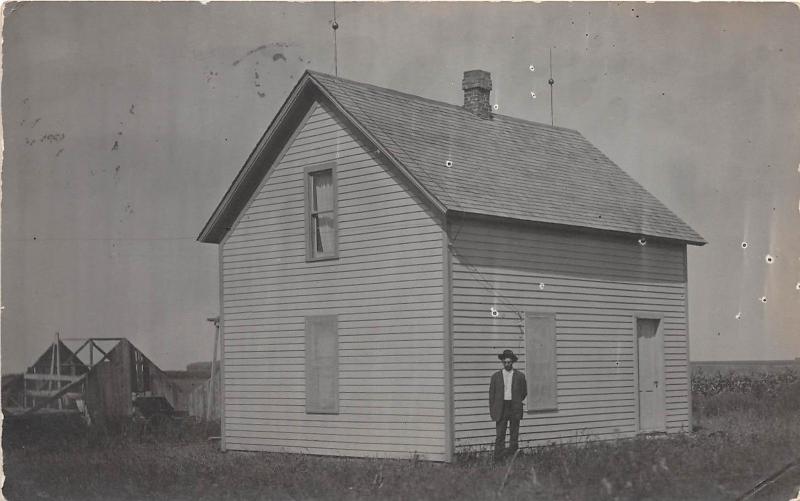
507,390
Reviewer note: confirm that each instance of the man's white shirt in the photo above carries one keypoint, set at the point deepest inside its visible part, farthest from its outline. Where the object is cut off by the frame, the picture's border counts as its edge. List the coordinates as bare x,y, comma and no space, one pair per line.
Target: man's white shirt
507,376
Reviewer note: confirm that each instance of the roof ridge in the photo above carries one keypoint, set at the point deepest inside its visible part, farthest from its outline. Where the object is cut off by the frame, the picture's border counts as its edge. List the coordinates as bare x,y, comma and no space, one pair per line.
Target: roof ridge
437,102
508,167
391,91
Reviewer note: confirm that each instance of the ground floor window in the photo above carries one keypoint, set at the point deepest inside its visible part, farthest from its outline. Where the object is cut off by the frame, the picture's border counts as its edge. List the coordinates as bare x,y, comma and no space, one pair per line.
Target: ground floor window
540,361
322,365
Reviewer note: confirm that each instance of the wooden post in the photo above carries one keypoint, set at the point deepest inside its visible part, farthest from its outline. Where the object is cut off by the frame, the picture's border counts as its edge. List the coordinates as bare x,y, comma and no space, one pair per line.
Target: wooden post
52,364
52,370
211,382
58,364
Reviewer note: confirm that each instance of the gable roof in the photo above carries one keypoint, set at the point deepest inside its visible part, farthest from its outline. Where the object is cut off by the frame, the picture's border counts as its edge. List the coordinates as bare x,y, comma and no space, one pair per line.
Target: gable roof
503,167
67,357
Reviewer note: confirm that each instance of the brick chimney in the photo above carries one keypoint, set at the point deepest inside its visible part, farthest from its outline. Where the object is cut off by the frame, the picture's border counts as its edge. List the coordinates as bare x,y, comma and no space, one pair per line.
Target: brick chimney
477,85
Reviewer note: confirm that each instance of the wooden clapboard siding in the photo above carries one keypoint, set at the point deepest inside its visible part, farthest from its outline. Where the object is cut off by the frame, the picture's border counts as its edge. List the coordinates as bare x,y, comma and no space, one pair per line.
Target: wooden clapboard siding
386,290
594,283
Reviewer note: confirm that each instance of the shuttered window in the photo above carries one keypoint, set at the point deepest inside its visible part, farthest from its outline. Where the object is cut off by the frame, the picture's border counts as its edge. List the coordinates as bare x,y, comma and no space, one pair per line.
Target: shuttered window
322,365
321,212
540,361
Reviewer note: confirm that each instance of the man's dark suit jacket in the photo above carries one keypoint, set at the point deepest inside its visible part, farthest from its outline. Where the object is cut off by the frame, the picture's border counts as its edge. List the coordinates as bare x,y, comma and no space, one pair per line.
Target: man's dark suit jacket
519,390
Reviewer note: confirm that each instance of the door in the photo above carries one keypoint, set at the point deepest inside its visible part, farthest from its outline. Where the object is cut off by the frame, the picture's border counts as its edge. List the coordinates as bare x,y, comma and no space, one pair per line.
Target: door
650,345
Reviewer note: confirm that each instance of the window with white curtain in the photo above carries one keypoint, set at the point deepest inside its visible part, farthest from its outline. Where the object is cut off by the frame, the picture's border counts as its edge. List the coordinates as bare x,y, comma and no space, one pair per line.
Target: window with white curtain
321,212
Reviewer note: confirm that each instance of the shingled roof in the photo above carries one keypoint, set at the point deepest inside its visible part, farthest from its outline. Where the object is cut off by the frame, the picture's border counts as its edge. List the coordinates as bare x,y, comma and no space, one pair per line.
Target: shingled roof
503,167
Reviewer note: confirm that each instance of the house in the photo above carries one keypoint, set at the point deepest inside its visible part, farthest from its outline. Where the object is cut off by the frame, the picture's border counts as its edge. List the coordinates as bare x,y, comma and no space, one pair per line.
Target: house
378,250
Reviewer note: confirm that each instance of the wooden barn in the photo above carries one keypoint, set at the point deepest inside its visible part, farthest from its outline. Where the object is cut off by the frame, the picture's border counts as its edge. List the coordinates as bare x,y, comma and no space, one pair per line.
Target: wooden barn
101,377
125,374
378,250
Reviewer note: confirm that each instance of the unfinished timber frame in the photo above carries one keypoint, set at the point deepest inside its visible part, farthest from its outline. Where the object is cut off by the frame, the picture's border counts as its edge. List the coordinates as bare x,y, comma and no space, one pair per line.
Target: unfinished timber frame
100,379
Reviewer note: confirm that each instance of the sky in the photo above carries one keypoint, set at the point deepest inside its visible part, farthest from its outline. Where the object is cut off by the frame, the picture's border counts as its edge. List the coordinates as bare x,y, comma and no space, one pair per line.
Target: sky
124,124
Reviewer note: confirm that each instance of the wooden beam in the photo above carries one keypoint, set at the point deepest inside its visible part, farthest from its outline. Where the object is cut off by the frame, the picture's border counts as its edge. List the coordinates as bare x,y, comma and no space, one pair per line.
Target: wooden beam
99,349
108,338
50,377
52,363
75,353
210,396
51,396
63,390
41,393
92,339
58,363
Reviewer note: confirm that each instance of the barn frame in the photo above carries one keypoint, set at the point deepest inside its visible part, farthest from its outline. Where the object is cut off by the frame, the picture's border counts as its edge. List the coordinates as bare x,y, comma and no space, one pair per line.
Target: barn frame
377,250
99,377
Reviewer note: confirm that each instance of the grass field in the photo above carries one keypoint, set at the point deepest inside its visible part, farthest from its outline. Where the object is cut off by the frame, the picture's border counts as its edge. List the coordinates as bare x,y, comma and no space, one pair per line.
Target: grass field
742,436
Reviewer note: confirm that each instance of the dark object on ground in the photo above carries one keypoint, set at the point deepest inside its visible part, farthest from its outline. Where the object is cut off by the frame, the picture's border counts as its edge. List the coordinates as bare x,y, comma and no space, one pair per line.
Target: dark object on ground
149,407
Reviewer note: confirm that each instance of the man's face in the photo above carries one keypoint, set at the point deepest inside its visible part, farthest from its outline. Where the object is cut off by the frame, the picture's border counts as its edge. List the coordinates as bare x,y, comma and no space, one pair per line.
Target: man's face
508,364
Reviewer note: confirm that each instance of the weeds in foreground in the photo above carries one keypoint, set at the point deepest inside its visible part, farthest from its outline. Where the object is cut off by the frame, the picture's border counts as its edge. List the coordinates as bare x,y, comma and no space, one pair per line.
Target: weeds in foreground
744,437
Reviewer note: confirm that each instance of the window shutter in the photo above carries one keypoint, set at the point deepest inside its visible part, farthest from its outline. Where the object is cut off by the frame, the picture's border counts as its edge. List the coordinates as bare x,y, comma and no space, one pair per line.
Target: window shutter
540,361
322,365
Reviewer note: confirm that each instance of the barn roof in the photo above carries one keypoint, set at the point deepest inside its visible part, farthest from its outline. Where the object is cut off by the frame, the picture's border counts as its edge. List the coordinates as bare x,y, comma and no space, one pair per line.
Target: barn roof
503,167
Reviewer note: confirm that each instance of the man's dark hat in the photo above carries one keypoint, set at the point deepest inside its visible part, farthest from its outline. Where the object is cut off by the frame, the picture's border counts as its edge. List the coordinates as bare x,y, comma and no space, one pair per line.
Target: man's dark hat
507,354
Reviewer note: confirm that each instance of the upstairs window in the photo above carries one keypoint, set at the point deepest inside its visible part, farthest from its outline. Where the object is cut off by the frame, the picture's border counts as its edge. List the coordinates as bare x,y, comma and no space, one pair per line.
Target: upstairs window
321,238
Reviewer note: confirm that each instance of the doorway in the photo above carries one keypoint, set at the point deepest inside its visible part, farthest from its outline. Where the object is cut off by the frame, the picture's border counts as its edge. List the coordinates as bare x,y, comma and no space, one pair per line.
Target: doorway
650,369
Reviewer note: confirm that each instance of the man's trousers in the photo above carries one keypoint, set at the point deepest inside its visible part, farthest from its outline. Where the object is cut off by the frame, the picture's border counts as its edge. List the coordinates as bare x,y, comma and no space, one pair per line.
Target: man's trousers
502,426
